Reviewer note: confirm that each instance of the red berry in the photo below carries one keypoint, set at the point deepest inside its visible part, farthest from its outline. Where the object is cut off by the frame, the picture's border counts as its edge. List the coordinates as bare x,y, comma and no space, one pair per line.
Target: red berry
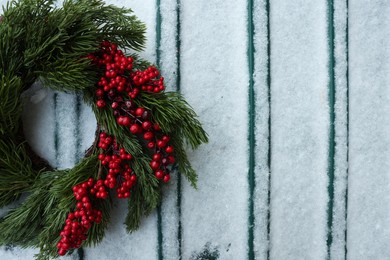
159,174
161,143
101,103
147,125
156,127
139,111
115,105
61,252
135,129
156,157
165,161
155,165
166,178
169,149
99,92
171,159
126,121
148,135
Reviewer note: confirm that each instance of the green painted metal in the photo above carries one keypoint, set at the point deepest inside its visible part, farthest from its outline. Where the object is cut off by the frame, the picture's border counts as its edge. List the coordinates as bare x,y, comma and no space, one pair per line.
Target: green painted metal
331,96
160,234
251,131
80,253
78,154
56,134
178,87
347,76
269,125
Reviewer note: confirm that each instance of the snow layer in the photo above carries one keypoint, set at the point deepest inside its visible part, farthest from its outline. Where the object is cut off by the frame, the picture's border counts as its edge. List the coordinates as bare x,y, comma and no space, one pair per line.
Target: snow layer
214,73
38,122
369,179
86,128
261,59
169,68
299,129
66,123
215,77
337,250
168,50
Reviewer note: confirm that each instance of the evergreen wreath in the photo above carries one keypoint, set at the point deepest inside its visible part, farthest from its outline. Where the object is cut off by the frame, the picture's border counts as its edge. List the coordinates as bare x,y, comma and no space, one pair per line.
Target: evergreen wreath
141,135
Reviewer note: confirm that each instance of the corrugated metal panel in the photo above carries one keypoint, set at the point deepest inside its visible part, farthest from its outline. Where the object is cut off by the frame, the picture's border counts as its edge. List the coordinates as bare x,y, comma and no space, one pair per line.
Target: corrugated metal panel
284,88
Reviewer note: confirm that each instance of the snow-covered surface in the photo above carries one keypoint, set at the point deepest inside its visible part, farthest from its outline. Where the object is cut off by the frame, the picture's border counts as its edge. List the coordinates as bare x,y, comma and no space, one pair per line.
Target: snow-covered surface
215,82
261,88
341,131
299,129
214,79
168,62
369,178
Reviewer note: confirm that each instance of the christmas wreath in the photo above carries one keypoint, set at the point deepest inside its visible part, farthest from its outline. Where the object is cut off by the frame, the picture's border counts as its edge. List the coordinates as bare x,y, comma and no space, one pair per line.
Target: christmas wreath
86,47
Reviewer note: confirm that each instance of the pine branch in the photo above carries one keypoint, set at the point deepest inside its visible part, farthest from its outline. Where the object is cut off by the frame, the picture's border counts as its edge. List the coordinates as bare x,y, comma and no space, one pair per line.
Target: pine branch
177,119
16,173
10,105
173,113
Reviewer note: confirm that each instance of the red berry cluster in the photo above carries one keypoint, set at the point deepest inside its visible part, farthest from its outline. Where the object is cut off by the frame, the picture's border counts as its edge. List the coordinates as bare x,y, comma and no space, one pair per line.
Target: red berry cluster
80,221
120,175
119,88
118,76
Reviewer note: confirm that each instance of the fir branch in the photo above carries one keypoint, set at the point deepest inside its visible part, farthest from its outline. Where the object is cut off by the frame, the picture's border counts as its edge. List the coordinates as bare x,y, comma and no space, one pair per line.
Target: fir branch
16,173
38,40
10,105
177,119
173,113
182,162
22,225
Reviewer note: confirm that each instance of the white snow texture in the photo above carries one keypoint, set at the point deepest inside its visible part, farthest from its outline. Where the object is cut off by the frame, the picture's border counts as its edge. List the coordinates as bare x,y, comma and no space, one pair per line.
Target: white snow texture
307,202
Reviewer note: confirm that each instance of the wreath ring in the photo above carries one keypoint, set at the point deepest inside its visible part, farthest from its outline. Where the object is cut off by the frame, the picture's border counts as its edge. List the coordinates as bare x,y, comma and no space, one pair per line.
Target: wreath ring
142,130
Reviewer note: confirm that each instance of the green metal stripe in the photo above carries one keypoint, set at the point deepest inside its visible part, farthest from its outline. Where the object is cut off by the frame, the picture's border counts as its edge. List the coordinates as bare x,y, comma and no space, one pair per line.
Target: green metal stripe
251,131
78,153
178,88
269,126
80,253
56,141
178,44
332,125
160,246
347,76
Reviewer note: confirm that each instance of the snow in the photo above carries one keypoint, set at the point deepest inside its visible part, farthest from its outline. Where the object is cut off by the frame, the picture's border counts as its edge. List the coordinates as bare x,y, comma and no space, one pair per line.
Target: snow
261,243
369,179
66,124
299,128
215,82
169,66
341,131
38,122
168,50
86,128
